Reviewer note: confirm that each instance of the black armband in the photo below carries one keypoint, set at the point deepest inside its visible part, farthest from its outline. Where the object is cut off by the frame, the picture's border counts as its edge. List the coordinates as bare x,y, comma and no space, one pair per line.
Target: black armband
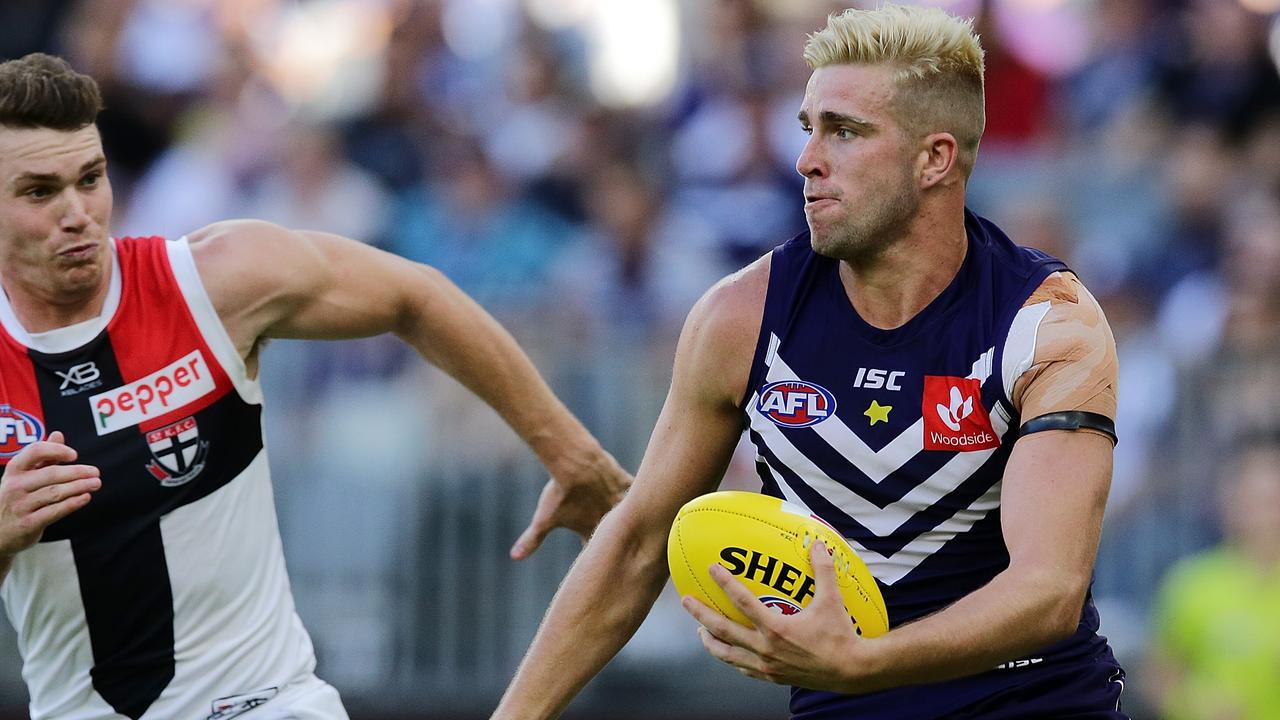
1070,420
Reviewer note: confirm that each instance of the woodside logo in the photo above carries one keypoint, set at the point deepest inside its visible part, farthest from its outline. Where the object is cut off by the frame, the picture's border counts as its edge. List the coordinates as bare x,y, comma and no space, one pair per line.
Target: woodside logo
954,416
183,381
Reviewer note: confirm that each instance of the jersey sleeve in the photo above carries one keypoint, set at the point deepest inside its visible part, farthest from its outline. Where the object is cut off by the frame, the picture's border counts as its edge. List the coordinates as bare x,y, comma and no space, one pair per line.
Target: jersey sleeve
1073,365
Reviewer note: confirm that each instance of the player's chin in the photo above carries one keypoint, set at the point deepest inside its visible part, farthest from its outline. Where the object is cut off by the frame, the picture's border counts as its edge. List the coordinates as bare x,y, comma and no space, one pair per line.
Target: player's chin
823,240
81,276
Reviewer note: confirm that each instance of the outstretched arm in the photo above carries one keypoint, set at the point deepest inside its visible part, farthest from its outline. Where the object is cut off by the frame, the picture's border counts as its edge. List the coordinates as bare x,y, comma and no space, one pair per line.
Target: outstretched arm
691,445
267,281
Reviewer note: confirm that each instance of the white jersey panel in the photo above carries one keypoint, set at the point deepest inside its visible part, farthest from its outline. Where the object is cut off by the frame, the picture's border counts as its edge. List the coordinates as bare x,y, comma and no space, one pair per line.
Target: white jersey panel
42,598
206,317
235,627
1020,347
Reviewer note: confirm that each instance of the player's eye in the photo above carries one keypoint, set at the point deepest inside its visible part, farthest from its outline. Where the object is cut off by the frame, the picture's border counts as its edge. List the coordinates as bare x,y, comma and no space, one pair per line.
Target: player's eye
808,129
845,133
38,192
91,179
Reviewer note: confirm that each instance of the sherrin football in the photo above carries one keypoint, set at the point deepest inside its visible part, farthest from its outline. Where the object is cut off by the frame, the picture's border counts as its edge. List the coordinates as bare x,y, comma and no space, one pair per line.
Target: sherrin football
764,542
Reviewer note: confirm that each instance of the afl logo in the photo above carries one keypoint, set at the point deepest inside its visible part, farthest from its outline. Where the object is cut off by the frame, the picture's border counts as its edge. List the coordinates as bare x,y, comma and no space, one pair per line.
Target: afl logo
17,430
780,605
796,403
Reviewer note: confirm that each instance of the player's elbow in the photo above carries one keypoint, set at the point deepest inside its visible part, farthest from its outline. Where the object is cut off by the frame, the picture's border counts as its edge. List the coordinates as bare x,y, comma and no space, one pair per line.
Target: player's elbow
1051,600
1061,601
637,539
424,294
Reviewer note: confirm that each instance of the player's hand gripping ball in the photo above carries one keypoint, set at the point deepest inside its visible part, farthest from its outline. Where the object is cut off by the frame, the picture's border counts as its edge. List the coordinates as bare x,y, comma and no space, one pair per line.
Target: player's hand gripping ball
764,542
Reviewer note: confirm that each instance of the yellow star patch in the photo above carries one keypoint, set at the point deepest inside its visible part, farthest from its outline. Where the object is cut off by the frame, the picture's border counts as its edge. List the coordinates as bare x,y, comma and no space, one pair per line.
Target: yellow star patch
878,413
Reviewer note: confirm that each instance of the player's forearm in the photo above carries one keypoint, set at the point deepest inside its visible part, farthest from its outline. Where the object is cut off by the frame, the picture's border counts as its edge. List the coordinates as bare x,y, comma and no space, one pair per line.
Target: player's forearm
457,335
1010,618
589,620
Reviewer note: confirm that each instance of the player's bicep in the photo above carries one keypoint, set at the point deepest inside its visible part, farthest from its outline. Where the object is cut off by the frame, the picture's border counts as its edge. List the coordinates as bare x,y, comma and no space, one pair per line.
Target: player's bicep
1052,500
701,423
351,290
268,281
688,451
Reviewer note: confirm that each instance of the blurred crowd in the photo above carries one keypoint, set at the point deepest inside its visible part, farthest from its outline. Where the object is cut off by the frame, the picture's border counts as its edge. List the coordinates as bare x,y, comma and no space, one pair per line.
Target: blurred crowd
1137,139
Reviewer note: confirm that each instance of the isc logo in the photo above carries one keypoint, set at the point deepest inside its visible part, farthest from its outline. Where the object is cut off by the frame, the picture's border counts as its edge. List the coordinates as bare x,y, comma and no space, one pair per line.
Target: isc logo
796,403
17,430
875,378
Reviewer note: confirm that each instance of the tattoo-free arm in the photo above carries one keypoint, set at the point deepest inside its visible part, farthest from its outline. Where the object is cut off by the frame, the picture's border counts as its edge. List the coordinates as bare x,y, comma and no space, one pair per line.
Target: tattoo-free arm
267,281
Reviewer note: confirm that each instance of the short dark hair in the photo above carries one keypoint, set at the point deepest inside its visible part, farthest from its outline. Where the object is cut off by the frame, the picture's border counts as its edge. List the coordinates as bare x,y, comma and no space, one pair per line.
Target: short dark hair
41,90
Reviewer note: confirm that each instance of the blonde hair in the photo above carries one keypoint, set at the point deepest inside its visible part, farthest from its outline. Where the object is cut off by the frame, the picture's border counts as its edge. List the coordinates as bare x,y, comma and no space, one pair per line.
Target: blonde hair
939,65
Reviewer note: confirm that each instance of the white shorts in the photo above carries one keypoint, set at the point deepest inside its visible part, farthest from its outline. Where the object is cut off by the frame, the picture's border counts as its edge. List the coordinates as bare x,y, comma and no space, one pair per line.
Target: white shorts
308,699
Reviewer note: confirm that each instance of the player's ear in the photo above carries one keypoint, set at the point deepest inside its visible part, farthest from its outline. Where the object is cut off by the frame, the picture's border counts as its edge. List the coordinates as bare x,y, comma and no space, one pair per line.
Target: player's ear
938,160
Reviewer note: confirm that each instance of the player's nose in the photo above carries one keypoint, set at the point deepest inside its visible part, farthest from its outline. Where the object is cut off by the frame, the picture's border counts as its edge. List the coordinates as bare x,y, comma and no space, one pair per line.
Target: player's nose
75,212
811,163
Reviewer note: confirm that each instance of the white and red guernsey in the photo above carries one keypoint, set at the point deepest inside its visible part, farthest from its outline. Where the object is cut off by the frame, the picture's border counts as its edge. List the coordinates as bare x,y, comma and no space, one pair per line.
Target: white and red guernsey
166,596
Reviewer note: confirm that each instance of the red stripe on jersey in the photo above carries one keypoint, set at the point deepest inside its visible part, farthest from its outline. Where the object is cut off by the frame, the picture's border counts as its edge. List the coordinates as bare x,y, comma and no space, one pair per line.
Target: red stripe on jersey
22,397
153,329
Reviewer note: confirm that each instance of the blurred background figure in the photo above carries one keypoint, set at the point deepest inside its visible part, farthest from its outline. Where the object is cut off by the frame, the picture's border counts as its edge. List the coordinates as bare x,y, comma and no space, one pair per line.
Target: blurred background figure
1216,633
586,168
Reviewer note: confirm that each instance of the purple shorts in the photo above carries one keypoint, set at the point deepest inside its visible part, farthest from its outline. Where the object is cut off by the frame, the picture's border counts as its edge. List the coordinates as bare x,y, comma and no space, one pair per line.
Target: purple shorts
1076,689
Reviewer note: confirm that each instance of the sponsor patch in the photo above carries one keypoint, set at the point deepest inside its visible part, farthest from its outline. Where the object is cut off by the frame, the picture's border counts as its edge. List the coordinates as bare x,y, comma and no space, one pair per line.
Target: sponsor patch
954,417
18,429
796,403
231,706
177,452
182,382
79,378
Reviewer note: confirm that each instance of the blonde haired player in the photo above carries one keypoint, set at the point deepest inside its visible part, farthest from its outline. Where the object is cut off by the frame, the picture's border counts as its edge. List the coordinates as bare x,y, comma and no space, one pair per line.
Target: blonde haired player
941,396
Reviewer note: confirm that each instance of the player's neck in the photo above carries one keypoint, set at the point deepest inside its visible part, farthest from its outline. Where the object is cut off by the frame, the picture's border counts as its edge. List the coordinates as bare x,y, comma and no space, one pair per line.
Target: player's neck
40,309
890,289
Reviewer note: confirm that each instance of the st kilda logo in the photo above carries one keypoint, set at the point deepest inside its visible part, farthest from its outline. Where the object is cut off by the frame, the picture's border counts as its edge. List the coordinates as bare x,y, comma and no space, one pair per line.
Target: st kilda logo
177,452
796,403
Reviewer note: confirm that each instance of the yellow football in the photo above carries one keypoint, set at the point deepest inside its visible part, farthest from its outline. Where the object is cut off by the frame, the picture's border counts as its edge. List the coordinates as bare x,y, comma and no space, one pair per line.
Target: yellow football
764,541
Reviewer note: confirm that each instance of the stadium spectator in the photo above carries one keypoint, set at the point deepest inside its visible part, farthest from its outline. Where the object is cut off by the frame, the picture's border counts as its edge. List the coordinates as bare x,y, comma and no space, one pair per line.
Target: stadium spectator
1216,634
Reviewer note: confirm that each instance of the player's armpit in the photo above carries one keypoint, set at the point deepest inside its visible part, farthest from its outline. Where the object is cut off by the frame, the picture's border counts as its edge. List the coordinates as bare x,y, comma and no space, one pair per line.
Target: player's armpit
1074,368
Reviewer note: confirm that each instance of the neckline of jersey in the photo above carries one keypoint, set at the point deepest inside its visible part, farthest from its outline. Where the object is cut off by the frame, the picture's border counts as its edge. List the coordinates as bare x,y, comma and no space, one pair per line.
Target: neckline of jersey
938,309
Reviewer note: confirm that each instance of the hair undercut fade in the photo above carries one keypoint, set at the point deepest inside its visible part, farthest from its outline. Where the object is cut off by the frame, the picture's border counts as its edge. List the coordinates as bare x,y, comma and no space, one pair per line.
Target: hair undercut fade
939,62
41,90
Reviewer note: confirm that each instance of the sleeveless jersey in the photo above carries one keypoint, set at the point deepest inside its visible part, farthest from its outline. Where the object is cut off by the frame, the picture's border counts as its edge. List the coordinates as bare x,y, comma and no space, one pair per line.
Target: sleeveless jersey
166,596
899,438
